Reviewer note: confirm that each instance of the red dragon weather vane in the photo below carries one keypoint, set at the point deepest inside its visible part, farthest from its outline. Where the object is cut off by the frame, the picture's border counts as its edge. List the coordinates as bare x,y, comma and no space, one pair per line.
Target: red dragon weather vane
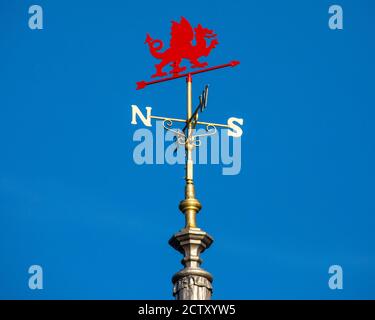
181,47
191,241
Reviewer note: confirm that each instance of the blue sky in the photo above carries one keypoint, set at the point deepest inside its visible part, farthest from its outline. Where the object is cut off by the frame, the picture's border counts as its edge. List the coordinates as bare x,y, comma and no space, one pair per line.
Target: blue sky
73,201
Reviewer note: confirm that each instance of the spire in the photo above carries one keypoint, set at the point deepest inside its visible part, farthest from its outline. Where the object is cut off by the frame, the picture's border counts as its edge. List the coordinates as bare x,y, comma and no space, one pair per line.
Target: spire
192,282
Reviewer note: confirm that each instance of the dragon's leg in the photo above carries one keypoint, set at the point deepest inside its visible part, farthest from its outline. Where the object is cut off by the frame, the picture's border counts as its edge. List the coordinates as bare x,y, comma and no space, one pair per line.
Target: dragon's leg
196,64
176,67
159,69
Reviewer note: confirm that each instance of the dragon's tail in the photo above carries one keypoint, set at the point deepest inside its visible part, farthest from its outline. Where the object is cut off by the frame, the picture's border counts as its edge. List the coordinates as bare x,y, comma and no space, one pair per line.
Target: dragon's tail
155,46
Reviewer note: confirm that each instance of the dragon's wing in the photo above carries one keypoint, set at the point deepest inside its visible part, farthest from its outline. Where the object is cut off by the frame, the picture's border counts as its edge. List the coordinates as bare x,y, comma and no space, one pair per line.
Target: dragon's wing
182,33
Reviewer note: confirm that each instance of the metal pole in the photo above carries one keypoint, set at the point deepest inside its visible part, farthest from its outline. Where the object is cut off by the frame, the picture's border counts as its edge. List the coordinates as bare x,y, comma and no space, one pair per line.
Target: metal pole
190,206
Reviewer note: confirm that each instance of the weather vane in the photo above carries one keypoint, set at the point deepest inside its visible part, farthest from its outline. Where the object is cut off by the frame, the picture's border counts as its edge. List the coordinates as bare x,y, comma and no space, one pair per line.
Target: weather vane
192,282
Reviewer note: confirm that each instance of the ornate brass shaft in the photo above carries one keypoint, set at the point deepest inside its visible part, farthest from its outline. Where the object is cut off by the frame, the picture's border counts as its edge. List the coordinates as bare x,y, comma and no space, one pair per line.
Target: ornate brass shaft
192,282
190,206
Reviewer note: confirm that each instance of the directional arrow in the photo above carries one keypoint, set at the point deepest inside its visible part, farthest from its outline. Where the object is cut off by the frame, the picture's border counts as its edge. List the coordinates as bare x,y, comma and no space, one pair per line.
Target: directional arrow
143,84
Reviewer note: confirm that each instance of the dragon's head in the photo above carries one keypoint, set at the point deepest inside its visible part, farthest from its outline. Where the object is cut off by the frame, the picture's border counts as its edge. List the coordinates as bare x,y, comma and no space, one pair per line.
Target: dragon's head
204,32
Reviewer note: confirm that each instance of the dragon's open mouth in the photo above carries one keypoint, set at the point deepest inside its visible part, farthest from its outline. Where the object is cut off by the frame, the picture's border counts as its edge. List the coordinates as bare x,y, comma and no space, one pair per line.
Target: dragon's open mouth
209,36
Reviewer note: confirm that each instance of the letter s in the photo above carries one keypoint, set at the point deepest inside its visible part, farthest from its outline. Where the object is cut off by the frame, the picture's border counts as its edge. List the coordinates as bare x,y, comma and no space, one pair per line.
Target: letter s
237,131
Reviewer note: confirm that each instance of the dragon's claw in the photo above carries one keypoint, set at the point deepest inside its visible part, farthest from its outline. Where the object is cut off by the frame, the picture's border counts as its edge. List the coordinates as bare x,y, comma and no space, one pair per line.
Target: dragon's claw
177,70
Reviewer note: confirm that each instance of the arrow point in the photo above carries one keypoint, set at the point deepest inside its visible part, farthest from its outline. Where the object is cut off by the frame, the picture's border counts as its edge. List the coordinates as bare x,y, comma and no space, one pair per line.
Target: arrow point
234,63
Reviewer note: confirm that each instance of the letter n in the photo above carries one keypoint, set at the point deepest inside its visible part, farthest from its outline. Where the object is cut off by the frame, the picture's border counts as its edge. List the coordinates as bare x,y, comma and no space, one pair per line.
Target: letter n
145,120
